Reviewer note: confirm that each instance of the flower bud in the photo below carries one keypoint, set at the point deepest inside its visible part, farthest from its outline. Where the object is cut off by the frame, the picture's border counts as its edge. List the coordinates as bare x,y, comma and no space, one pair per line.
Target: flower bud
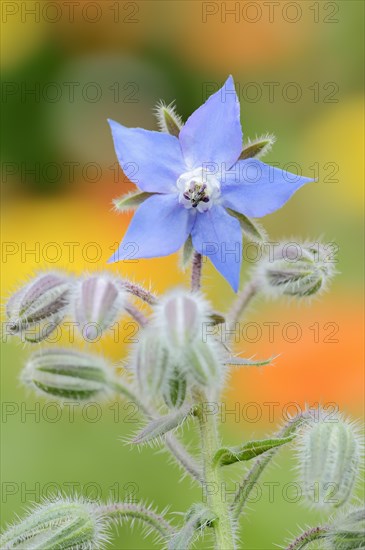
205,364
96,303
62,524
347,531
151,360
296,270
329,457
36,309
181,317
68,374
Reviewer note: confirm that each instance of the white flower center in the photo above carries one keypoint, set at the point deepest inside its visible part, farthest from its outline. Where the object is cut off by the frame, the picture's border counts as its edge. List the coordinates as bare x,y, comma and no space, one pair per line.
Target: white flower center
198,189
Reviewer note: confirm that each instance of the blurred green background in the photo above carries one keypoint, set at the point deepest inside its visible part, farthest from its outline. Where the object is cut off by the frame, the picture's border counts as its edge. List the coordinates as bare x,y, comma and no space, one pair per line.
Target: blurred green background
66,68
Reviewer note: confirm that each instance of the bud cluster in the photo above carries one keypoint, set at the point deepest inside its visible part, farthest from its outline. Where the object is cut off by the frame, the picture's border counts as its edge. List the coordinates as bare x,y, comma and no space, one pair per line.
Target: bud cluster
171,356
37,308
94,302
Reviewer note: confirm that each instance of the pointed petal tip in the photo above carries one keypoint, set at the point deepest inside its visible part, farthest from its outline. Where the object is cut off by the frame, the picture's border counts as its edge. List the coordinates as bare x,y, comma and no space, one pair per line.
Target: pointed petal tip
113,125
234,283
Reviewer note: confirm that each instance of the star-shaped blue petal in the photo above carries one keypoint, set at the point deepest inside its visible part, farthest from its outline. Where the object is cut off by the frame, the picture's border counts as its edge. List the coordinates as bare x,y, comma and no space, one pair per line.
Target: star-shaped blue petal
194,178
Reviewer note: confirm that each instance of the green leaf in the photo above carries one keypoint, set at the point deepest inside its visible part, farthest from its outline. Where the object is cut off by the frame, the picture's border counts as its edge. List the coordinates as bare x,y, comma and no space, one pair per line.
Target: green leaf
252,449
130,201
159,427
242,362
249,228
257,148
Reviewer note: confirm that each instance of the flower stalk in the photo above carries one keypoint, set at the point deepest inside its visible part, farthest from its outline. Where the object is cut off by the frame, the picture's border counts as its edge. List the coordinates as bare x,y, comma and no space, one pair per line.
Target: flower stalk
140,292
177,449
222,525
260,464
196,271
120,511
316,533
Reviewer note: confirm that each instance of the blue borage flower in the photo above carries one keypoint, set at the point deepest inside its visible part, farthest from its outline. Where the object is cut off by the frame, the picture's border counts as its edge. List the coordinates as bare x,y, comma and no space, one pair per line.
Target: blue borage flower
193,179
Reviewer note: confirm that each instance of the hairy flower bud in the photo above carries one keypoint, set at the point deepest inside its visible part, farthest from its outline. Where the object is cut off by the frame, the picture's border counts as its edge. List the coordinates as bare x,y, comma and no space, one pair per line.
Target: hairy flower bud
36,309
347,531
296,270
329,452
151,360
61,524
68,374
206,366
173,355
96,303
182,319
182,316
157,372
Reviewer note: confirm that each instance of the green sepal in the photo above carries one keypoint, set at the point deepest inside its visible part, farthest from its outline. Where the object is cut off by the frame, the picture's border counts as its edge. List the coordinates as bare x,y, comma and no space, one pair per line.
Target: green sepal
161,426
348,540
77,395
168,119
250,229
172,126
41,332
257,148
248,451
130,201
187,253
175,393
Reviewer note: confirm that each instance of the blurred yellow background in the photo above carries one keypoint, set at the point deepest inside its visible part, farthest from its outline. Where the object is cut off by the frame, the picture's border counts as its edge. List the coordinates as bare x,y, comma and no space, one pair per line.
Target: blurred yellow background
67,67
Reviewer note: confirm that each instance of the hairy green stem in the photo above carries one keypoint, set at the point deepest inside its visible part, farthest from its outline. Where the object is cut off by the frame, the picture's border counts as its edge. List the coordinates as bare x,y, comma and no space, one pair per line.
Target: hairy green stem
196,271
212,486
245,488
183,457
127,392
177,449
127,510
307,537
